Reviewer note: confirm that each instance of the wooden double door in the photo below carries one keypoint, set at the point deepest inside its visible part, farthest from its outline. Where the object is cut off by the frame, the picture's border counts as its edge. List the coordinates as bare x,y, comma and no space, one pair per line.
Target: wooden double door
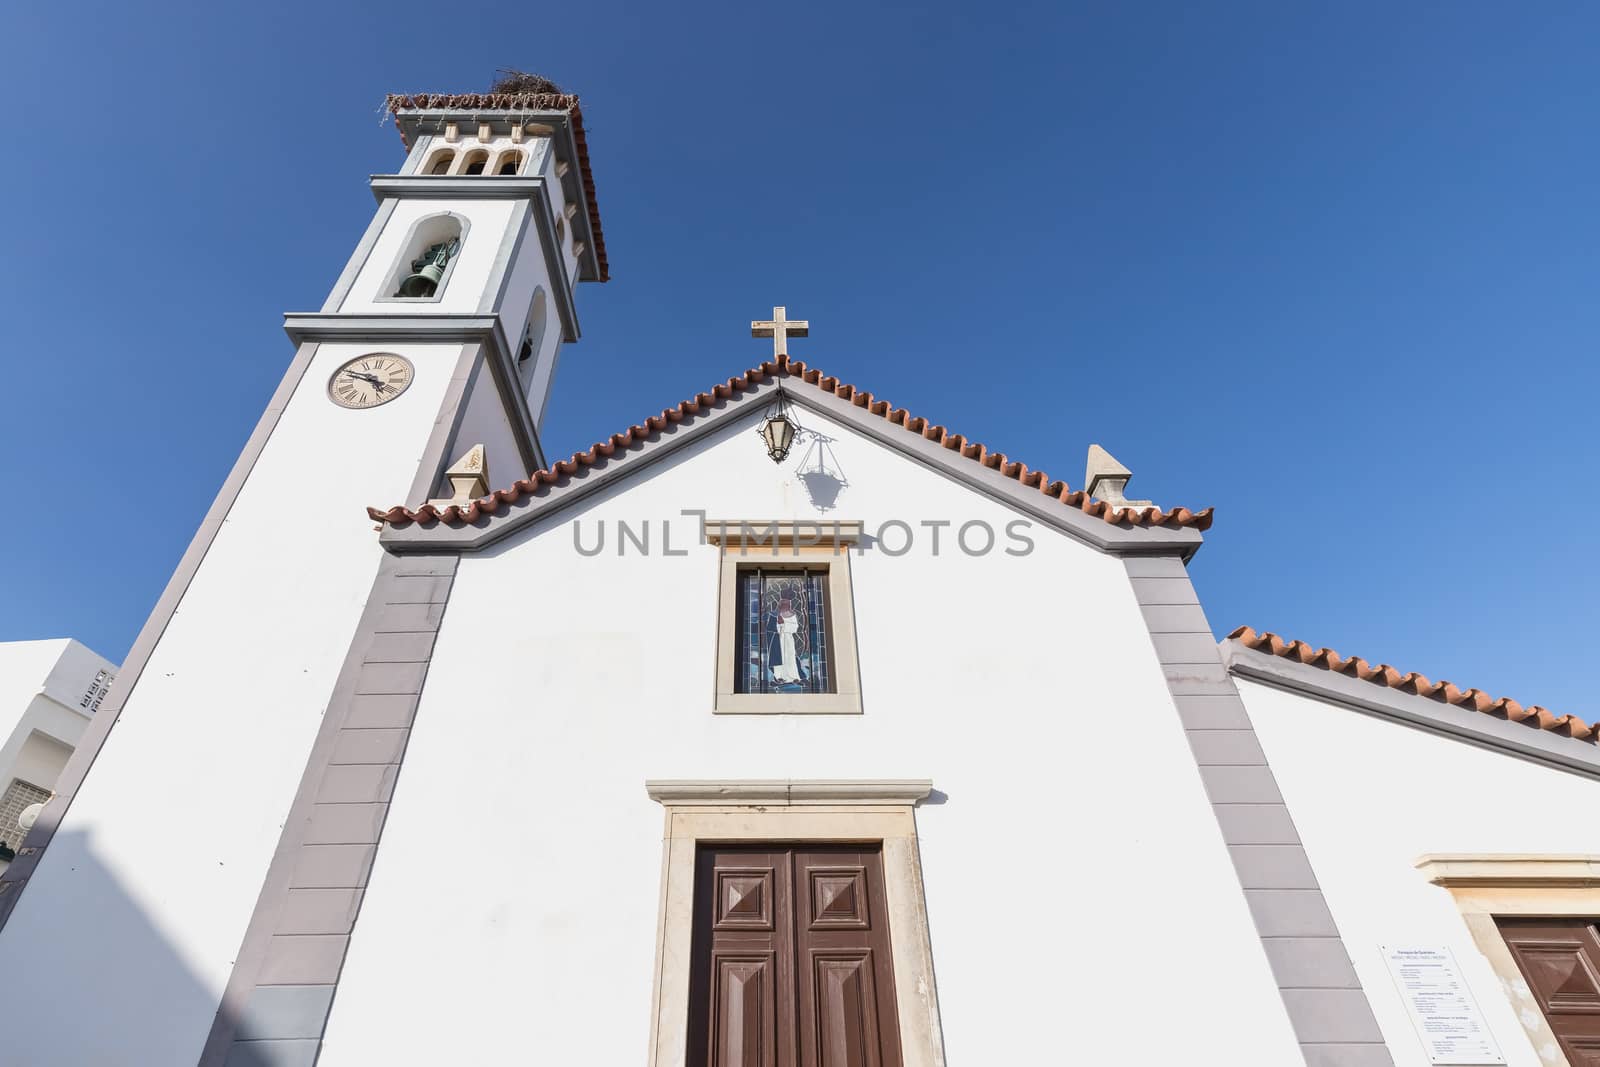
791,964
1560,958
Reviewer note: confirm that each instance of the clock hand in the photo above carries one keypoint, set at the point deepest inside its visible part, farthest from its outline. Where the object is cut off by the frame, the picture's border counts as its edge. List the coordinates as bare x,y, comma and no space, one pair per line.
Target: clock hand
363,377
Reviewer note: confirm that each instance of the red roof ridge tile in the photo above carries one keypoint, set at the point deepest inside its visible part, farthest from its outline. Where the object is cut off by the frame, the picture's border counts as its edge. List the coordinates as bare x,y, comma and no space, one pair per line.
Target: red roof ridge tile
1444,692
785,366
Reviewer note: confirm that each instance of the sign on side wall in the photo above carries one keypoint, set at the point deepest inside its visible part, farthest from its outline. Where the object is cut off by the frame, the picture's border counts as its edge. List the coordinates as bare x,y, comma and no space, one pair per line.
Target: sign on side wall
90,703
1441,1007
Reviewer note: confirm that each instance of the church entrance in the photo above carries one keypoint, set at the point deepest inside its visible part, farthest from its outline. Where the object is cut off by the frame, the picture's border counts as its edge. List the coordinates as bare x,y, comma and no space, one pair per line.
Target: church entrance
791,964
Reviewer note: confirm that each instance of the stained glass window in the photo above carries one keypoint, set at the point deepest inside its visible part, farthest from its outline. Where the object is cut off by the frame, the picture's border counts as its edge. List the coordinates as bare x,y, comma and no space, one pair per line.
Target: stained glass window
783,631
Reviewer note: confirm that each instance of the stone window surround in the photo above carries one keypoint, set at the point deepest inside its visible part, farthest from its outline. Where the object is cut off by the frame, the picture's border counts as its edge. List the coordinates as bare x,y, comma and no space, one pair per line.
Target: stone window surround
1514,885
793,545
747,812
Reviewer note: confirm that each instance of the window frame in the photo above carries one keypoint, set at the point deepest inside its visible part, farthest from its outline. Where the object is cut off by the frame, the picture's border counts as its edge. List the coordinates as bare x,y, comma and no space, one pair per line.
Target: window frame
771,546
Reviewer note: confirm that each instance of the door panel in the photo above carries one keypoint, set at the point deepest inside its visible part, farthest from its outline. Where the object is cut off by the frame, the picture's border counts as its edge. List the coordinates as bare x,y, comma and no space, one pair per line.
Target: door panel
744,1007
790,962
846,1007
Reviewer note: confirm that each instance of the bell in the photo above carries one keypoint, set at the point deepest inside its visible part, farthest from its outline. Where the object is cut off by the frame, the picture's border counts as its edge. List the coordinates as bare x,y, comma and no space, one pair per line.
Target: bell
423,282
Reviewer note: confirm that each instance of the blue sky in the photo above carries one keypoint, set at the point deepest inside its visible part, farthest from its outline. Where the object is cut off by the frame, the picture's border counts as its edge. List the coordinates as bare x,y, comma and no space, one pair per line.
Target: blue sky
1328,269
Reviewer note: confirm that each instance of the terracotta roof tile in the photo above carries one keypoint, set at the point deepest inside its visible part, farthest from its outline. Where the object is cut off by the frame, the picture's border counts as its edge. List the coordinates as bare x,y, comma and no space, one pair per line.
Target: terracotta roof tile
1445,692
785,367
397,102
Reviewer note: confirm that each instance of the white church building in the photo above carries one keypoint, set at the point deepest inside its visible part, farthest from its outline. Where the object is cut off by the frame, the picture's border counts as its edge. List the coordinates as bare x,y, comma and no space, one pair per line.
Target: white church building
662,754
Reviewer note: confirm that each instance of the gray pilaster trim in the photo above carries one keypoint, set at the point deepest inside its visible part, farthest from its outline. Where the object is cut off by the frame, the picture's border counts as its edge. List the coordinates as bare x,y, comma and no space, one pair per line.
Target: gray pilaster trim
15,879
1097,533
358,258
502,366
287,970
1411,709
531,189
1332,1019
431,120
555,265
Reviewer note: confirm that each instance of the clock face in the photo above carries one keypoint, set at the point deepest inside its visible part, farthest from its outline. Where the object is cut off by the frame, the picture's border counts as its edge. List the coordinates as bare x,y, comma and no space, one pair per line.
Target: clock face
367,381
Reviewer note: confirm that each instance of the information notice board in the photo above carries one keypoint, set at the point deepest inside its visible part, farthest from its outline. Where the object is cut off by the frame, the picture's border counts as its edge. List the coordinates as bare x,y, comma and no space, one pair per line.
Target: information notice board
1441,1006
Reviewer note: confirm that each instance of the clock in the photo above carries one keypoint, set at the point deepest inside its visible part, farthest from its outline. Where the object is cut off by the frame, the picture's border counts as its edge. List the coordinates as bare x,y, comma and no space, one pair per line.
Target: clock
367,381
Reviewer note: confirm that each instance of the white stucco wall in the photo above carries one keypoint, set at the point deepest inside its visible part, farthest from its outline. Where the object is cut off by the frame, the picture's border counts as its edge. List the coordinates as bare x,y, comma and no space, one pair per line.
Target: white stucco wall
1074,869
24,667
139,905
1369,796
527,274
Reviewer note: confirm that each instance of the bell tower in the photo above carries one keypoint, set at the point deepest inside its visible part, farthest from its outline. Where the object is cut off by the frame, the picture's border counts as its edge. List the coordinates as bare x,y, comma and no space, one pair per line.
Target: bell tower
481,238
137,884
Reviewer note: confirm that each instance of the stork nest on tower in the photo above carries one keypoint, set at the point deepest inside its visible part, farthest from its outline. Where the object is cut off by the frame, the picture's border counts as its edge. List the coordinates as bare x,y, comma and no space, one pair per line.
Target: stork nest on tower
522,83
514,90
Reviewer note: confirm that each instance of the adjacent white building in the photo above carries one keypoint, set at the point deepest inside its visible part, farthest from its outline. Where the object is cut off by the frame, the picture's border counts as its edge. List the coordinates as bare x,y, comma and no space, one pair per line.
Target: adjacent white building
49,692
781,728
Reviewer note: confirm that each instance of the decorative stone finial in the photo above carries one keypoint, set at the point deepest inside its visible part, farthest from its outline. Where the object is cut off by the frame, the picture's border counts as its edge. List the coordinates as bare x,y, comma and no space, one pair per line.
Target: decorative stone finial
1105,479
469,479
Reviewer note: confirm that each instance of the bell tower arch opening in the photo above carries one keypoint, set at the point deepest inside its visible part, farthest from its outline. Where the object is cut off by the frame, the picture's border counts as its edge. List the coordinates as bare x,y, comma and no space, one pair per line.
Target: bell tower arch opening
427,258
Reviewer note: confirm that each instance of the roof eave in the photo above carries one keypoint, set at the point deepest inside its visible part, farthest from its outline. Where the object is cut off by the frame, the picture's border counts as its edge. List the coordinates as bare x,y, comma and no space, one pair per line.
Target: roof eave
1411,709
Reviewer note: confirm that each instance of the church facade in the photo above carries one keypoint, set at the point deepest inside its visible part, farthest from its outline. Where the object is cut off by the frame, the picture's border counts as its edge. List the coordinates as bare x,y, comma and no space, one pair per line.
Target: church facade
689,750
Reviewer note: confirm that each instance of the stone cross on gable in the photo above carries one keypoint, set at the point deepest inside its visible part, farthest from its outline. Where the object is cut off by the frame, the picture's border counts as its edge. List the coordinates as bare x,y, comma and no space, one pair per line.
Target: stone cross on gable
780,328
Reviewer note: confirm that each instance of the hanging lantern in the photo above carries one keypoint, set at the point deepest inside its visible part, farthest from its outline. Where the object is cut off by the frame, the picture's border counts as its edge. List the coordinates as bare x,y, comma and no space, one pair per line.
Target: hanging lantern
779,430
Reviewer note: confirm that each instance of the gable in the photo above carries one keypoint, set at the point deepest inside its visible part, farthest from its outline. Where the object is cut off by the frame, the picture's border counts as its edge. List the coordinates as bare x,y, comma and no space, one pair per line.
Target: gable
906,508
1107,527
